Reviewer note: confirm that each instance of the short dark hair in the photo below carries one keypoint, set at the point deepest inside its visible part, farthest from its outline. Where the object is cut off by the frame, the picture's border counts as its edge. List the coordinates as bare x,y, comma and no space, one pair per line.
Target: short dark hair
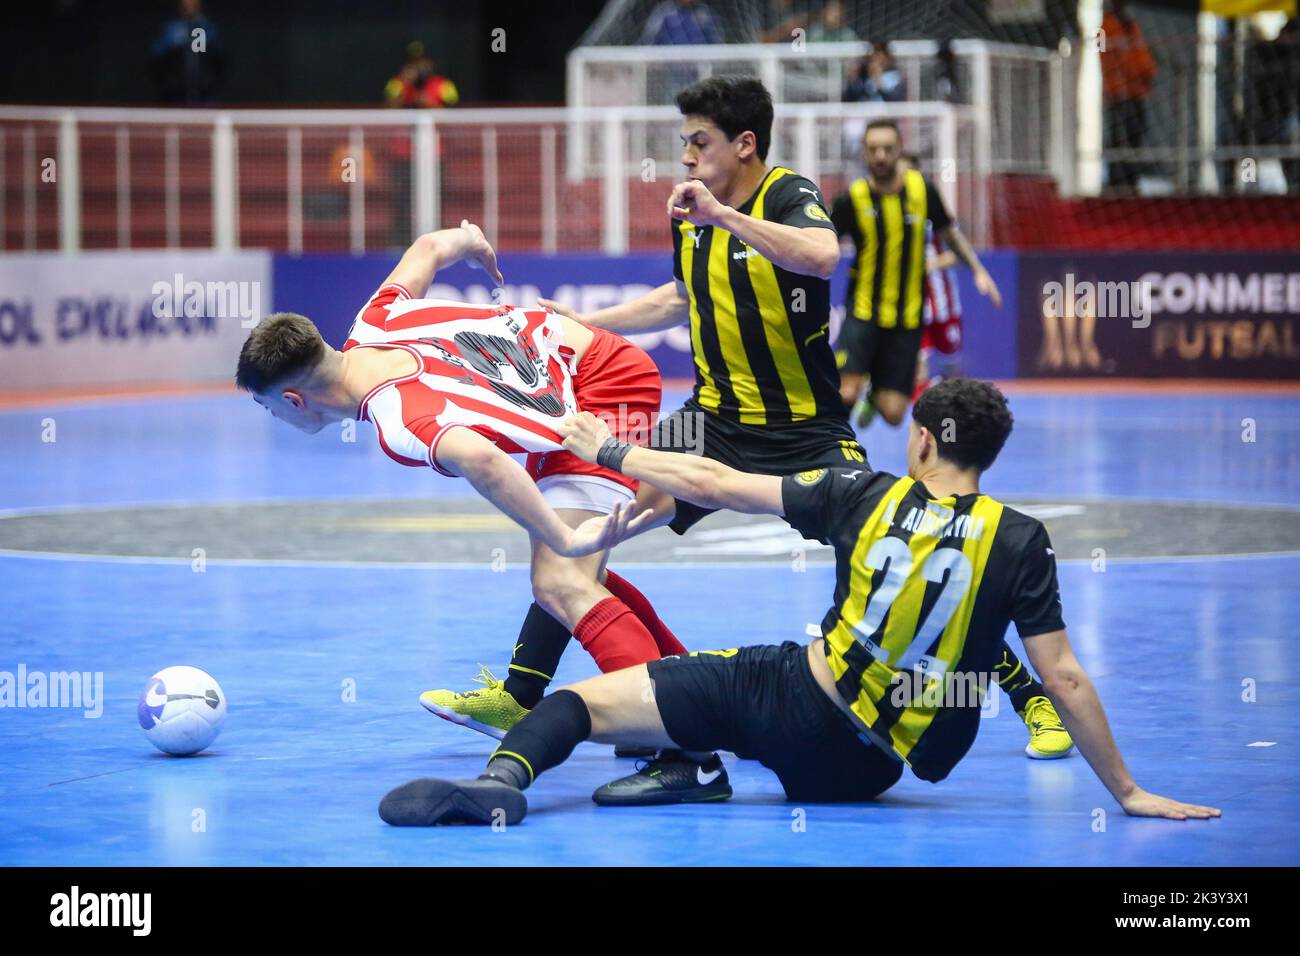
969,419
281,347
734,104
883,124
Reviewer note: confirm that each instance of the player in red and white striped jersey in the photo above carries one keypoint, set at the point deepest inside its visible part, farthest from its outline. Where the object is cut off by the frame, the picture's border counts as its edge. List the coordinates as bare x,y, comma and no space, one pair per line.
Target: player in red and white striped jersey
940,314
460,388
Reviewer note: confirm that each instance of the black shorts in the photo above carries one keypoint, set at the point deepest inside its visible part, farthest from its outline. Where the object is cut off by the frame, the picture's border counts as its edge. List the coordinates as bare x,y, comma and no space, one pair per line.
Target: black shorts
765,703
782,449
887,355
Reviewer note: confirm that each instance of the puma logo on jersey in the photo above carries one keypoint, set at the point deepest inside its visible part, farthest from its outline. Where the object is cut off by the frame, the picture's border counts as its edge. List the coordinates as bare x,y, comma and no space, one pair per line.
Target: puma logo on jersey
851,475
695,235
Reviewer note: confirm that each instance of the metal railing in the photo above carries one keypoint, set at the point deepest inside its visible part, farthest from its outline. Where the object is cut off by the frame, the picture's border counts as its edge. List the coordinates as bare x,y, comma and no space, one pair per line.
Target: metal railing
358,180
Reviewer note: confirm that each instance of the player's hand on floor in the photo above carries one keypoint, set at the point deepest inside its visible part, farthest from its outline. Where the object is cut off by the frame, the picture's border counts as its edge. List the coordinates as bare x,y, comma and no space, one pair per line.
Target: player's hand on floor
583,435
605,531
1143,804
480,254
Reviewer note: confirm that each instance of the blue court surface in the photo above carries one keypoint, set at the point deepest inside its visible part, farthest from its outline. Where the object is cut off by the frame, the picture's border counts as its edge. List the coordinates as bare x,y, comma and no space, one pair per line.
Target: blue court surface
1189,633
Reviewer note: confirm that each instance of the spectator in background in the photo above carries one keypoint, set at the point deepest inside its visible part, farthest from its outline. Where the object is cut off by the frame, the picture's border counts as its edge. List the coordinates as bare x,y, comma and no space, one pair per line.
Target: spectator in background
830,27
1277,95
1128,72
877,79
681,22
188,59
945,73
779,22
418,84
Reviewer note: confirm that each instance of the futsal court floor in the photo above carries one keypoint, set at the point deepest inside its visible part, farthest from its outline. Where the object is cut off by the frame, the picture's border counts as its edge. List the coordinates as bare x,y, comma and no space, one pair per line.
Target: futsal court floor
325,588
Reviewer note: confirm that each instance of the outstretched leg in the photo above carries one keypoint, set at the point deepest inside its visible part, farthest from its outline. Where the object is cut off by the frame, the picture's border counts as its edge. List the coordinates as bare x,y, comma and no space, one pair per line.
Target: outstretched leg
611,708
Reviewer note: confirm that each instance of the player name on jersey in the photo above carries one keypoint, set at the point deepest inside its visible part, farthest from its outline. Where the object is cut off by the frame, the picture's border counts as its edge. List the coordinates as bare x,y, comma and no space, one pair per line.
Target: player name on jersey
937,521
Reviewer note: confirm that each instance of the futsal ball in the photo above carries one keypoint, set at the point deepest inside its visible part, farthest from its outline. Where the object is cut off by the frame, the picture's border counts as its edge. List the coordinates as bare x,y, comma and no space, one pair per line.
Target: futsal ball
181,710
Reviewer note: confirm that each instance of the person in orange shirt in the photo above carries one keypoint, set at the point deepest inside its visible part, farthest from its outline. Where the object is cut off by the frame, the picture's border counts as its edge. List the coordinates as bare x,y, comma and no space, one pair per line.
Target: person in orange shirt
418,84
1128,72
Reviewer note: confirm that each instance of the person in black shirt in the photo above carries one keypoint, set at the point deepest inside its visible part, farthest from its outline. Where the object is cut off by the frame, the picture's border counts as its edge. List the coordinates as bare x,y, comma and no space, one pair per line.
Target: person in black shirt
929,574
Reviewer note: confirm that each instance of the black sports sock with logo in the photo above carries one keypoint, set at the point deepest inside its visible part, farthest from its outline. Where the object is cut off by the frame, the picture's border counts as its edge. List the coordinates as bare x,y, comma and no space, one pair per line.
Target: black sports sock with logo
541,644
1016,679
543,739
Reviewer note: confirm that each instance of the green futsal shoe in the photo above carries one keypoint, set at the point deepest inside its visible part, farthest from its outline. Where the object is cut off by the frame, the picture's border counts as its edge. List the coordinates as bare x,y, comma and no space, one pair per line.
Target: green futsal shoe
864,411
492,710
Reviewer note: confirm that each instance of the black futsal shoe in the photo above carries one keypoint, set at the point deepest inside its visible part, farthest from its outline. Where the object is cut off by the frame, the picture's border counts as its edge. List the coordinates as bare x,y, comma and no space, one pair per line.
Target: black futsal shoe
670,778
433,803
639,753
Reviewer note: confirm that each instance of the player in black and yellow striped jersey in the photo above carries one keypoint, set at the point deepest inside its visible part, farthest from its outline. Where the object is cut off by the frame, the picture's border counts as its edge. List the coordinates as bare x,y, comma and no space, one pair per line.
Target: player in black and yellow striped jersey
759,332
753,250
930,571
886,216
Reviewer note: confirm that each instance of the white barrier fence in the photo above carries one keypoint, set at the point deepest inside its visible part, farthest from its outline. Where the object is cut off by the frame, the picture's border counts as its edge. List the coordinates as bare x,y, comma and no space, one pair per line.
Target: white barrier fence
563,179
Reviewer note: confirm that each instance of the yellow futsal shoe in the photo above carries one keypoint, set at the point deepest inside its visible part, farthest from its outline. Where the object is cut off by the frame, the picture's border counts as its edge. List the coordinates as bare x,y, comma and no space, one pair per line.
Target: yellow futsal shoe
1048,739
492,710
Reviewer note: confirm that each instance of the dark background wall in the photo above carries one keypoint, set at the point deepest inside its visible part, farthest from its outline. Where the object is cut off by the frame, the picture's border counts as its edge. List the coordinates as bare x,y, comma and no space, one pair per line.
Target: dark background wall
290,51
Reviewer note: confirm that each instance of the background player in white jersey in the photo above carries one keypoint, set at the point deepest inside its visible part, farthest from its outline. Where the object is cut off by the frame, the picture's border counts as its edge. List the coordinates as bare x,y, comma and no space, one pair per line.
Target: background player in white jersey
460,388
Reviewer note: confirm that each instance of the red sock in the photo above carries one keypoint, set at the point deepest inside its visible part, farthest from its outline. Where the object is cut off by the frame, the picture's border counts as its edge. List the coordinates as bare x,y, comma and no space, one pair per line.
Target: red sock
622,589
611,634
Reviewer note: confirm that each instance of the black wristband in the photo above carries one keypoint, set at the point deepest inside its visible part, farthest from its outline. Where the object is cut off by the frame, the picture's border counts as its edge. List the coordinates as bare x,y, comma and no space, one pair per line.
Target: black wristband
612,453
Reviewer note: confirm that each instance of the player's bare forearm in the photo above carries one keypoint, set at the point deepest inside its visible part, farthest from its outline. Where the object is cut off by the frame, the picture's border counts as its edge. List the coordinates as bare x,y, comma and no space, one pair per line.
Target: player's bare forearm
961,247
1076,700
436,250
983,281
944,260
808,252
1081,712
500,479
660,308
705,482
693,478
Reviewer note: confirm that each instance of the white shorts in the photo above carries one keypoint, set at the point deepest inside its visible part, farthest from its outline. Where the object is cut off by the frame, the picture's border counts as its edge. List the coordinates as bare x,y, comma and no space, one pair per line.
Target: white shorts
584,492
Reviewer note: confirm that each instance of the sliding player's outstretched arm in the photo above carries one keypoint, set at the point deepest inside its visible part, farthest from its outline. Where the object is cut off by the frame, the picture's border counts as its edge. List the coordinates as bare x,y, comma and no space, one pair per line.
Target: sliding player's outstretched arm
437,250
500,479
1080,708
693,478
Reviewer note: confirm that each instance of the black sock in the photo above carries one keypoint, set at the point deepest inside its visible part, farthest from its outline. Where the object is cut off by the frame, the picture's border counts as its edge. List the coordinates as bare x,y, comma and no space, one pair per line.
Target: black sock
1016,679
543,739
538,650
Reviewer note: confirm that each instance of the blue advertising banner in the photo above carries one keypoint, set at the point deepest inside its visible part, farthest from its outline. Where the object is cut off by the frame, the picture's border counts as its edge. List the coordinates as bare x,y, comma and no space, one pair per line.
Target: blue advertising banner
330,289
1161,315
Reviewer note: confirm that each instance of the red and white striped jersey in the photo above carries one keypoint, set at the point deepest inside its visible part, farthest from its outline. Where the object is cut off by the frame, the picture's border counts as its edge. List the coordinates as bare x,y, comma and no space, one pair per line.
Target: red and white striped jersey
503,371
942,303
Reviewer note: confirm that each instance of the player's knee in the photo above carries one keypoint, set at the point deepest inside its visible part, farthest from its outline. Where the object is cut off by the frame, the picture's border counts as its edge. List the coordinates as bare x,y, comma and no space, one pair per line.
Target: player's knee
612,700
892,406
894,415
557,588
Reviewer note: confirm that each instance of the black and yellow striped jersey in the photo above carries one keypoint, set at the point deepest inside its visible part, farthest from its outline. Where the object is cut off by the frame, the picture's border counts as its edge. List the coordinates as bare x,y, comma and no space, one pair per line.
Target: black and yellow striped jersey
887,278
759,334
925,588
